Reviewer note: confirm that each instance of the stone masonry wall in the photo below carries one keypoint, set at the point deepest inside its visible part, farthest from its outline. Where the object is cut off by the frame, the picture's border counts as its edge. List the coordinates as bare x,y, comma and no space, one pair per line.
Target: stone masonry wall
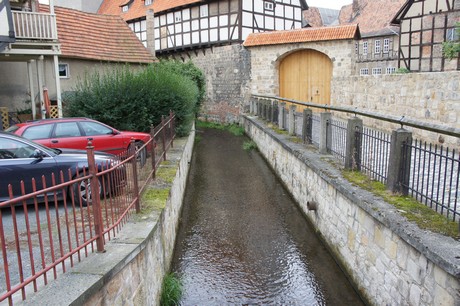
227,70
428,97
389,260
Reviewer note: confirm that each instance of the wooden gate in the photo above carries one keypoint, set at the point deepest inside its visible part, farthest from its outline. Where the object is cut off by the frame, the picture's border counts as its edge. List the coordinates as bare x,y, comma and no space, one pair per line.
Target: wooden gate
306,76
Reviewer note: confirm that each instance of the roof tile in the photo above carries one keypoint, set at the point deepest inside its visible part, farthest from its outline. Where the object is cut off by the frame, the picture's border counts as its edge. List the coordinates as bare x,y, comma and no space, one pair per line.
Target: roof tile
138,8
98,37
302,35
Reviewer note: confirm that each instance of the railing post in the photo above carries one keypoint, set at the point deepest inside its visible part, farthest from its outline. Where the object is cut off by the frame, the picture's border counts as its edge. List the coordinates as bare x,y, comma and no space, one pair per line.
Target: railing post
171,128
399,163
132,148
154,145
281,115
292,110
307,125
266,109
163,135
354,144
325,133
95,198
251,106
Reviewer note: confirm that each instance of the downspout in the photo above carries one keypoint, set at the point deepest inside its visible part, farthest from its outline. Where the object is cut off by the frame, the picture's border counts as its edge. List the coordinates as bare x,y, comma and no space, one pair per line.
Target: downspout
32,89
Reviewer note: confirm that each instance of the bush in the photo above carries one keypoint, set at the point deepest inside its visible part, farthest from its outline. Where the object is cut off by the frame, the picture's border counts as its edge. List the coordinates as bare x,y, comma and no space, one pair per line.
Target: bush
134,101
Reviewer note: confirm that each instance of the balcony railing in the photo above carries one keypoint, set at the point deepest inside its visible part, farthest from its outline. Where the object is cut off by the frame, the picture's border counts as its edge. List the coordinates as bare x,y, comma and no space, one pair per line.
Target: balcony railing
35,26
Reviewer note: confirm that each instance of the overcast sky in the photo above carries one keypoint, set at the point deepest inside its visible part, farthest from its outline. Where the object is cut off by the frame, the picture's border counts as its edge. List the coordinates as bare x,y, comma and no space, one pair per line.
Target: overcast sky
333,4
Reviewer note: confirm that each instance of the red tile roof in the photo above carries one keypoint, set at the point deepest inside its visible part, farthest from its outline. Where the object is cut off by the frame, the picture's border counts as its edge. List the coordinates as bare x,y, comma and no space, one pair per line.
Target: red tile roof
373,16
98,37
138,9
302,35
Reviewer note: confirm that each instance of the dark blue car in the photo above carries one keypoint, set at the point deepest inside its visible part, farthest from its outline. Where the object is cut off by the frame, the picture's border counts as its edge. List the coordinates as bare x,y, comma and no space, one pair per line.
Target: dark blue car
22,160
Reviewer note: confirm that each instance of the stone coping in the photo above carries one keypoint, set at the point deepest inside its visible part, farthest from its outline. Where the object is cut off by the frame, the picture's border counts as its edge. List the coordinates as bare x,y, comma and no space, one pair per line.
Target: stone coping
442,250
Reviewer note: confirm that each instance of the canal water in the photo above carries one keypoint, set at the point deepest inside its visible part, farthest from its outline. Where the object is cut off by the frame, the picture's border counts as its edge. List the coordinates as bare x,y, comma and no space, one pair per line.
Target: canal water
243,241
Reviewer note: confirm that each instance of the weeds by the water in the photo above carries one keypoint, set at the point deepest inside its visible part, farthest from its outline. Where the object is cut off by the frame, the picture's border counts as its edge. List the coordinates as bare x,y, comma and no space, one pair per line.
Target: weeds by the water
249,145
423,216
171,291
235,129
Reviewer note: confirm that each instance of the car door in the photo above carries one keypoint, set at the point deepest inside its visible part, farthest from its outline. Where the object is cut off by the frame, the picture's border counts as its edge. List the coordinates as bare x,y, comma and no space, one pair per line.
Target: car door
103,137
68,135
17,163
39,133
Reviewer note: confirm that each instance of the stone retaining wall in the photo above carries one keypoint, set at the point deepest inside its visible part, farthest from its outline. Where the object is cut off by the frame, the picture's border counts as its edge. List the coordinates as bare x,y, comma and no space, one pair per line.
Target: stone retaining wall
131,270
389,260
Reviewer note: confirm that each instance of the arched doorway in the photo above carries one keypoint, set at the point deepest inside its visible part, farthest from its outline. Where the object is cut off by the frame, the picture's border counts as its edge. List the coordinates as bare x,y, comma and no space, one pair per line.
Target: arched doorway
305,75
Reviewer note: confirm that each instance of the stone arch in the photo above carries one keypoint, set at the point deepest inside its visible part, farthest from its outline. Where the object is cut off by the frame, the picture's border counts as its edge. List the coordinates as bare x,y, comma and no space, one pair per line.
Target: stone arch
305,75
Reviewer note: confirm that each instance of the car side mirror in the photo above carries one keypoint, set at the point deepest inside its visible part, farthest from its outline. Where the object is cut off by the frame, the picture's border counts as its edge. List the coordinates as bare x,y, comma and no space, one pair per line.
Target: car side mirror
37,154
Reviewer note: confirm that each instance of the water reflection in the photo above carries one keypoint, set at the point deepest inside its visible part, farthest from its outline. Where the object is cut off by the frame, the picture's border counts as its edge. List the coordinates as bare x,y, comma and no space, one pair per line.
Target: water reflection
242,241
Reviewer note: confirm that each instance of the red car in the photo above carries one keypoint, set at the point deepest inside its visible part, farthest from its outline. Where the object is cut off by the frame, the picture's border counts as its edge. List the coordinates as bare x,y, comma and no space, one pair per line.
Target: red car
74,133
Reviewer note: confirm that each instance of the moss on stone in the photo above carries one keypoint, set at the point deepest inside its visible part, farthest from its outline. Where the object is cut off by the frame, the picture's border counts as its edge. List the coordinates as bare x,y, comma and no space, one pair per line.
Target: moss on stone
409,207
154,199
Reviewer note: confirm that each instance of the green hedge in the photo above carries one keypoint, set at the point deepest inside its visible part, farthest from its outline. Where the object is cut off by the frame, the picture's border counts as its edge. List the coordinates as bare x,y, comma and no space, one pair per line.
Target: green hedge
130,100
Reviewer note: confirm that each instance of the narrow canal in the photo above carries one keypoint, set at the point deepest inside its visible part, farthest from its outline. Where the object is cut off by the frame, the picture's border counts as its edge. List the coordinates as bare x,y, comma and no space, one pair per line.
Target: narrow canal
243,241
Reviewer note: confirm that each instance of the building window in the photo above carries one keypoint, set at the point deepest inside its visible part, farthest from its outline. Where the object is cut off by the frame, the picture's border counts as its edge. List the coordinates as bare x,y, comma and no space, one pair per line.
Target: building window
124,8
356,48
364,71
64,71
148,2
391,70
204,11
269,6
377,45
178,18
386,45
365,48
451,35
376,71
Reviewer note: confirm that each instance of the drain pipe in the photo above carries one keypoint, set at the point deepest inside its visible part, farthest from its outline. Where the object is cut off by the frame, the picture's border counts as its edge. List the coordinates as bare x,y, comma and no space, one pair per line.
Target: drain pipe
312,205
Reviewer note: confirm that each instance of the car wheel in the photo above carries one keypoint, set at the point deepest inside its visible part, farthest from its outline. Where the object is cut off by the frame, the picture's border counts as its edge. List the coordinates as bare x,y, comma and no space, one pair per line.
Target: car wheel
83,190
141,153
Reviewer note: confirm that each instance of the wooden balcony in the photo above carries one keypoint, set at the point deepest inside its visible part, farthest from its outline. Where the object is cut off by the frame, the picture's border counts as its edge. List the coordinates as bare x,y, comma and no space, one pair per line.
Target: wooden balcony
35,33
34,26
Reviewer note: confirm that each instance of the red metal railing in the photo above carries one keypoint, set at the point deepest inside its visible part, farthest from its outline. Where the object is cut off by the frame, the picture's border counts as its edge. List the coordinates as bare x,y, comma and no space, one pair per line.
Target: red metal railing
45,232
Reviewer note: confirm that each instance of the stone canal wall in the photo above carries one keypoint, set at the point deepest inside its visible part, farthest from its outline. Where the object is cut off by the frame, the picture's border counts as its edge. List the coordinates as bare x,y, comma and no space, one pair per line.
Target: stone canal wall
389,260
131,270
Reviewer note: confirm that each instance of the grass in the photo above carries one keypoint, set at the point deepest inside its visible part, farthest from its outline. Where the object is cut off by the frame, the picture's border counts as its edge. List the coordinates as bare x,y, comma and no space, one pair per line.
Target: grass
414,211
249,145
171,291
235,129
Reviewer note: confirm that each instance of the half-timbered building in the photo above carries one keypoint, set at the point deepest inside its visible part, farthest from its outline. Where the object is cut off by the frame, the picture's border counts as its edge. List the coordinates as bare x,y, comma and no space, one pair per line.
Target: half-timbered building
425,26
191,24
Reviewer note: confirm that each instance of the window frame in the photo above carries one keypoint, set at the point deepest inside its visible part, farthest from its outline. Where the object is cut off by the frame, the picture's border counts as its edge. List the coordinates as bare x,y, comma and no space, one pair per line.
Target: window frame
364,71
67,70
377,46
269,5
377,71
386,45
365,47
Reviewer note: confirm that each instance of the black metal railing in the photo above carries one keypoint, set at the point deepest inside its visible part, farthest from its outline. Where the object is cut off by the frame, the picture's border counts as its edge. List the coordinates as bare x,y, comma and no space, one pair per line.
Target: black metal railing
430,173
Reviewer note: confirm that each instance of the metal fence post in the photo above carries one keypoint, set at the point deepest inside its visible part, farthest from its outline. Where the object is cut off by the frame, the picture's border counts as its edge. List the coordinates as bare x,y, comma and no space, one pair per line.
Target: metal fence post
307,125
163,135
399,163
325,133
272,111
292,110
154,144
95,198
281,107
354,144
132,148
